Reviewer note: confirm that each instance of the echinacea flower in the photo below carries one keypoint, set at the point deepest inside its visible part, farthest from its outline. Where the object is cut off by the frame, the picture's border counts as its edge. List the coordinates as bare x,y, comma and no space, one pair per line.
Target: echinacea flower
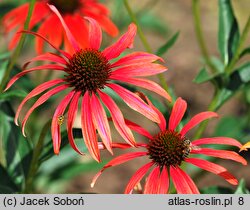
87,72
167,150
72,12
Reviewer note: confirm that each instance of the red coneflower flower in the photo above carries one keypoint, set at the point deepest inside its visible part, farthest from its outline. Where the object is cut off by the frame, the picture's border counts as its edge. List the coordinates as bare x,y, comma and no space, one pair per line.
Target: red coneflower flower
168,149
50,27
88,72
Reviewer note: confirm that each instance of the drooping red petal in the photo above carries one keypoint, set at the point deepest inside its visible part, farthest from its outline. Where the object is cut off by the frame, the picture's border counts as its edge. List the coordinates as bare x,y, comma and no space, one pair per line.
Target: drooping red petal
136,178
217,140
124,42
117,161
115,145
47,57
53,34
55,125
39,89
196,120
95,34
136,58
107,25
118,118
213,168
67,55
139,70
157,182
182,182
73,108
101,122
88,129
40,101
152,182
43,67
135,127
79,29
69,34
144,83
163,181
162,123
177,113
220,154
135,102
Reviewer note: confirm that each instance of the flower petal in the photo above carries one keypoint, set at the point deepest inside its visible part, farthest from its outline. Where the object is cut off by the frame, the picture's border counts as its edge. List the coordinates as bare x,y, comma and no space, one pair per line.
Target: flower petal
157,181
88,129
39,89
217,140
79,29
178,111
69,34
53,34
73,108
55,126
133,126
163,181
47,57
139,70
136,178
43,67
182,182
95,34
118,118
117,161
136,58
220,154
213,168
67,55
152,182
162,123
135,102
196,120
144,83
101,122
40,101
245,146
124,42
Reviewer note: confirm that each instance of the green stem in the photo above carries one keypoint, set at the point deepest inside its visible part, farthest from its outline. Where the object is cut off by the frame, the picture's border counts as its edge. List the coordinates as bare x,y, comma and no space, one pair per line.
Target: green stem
144,41
18,48
200,37
34,165
239,49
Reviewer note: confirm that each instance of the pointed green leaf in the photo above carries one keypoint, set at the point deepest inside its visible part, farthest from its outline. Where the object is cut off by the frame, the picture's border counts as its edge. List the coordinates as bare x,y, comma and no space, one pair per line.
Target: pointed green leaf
168,44
228,34
242,189
245,52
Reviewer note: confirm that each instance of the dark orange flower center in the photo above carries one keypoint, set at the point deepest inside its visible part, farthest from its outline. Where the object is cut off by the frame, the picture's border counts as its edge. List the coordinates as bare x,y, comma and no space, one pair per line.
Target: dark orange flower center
88,70
66,6
168,148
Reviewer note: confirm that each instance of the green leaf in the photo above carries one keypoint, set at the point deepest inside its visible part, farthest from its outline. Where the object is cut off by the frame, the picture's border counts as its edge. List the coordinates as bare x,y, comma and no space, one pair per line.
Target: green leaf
237,80
163,49
12,94
7,185
230,126
245,52
228,34
242,189
204,76
14,143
